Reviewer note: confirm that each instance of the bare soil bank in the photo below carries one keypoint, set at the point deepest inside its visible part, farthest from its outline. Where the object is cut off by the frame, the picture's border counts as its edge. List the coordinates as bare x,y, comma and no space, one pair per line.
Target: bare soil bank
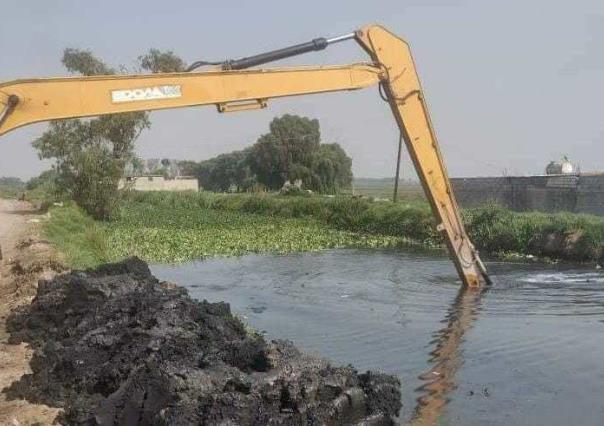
26,258
116,346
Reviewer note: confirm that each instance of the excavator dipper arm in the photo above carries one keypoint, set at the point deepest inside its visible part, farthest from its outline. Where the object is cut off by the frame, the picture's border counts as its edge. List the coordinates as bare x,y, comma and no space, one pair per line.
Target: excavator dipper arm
406,99
231,88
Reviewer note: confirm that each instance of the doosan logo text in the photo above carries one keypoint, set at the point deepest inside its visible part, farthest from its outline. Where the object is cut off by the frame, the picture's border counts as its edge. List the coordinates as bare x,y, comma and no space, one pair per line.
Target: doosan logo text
146,93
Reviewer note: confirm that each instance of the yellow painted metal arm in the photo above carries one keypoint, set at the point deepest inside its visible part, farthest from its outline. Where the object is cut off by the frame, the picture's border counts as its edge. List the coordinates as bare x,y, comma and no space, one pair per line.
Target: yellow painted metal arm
58,98
408,105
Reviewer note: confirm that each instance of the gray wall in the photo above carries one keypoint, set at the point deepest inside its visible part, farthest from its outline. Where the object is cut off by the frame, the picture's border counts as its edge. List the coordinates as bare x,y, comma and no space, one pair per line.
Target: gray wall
573,193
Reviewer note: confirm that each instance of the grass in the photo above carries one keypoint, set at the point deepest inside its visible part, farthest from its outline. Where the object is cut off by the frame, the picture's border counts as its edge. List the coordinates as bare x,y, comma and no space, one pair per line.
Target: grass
566,236
80,239
175,227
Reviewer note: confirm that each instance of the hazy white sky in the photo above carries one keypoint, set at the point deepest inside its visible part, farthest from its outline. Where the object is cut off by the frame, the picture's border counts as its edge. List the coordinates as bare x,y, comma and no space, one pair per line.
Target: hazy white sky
511,84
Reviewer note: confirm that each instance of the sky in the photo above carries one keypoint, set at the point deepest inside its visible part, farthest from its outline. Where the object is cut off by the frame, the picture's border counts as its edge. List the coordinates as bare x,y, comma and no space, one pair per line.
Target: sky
510,85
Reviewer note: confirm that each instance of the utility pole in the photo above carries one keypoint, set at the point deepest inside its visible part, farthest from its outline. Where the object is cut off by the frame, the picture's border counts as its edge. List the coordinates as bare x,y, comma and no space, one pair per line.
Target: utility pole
398,168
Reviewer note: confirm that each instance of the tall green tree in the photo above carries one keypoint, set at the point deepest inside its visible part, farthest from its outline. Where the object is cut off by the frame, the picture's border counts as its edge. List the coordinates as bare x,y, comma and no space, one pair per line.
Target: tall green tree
225,171
90,155
292,150
332,168
280,154
268,161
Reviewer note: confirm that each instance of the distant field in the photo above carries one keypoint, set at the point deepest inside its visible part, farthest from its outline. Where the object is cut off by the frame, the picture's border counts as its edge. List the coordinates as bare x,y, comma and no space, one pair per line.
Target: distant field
384,188
10,187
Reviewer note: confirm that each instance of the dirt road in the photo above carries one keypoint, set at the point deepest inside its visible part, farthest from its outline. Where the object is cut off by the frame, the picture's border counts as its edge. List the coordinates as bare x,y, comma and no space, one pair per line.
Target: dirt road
17,222
12,222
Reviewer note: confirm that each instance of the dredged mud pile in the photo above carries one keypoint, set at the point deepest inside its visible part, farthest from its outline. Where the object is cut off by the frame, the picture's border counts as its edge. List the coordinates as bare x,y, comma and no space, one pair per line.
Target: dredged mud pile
117,346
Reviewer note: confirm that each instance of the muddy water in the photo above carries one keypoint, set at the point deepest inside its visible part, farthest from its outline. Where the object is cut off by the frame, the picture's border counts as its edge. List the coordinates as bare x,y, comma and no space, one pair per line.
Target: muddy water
530,350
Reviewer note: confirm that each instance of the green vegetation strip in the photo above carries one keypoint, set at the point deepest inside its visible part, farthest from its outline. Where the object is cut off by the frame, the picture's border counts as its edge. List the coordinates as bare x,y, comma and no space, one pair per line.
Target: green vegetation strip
161,233
175,227
559,236
78,237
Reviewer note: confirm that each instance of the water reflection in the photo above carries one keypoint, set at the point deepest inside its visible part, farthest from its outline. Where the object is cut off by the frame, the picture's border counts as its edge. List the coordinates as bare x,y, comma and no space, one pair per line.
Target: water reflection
446,357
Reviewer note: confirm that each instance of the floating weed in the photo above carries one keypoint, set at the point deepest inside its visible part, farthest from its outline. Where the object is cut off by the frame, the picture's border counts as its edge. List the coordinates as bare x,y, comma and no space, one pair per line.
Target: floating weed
176,227
188,236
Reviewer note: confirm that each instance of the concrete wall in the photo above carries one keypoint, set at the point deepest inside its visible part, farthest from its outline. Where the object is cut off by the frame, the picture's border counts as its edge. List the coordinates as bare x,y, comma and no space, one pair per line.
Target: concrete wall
548,193
158,183
590,194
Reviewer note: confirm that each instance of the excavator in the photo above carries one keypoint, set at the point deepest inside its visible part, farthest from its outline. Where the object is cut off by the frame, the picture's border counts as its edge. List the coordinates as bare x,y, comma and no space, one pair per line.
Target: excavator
237,85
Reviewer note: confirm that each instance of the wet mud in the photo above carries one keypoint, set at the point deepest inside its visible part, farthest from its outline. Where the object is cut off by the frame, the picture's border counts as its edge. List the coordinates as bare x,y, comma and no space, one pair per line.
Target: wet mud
117,346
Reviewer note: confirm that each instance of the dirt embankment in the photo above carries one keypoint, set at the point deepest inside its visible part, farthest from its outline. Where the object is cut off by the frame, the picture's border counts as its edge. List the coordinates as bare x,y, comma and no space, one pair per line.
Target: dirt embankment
25,259
117,346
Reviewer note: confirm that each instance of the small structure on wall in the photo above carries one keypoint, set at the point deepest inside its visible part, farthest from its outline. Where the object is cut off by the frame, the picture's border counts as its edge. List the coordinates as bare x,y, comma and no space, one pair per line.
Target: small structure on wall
562,167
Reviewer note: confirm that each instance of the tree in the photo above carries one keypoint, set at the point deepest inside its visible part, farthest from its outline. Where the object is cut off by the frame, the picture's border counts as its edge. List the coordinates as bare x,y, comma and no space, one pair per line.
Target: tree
292,140
153,165
10,186
45,180
299,137
292,150
13,182
138,166
268,161
157,61
224,171
188,168
332,168
90,155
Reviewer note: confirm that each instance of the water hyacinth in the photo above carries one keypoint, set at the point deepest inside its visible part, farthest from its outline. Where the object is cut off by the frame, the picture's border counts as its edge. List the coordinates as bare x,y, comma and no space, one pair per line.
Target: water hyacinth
173,233
176,227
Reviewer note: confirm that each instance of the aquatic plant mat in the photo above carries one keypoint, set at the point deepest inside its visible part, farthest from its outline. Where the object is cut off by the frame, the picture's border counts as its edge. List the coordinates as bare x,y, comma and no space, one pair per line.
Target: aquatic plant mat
177,227
162,226
116,346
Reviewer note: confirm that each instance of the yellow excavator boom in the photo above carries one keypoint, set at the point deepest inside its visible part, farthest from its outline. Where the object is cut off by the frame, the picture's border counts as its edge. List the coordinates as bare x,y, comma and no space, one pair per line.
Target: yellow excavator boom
234,88
56,98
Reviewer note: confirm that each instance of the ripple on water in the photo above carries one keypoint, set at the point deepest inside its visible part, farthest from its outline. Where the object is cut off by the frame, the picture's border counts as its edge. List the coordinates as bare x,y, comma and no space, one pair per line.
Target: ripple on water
548,293
565,278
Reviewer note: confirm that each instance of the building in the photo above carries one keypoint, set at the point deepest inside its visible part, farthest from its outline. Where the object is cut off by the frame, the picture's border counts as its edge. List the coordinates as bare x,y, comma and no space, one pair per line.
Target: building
159,183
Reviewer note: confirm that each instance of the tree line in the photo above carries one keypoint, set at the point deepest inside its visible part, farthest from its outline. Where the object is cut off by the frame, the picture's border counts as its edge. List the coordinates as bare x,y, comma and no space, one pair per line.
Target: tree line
291,150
